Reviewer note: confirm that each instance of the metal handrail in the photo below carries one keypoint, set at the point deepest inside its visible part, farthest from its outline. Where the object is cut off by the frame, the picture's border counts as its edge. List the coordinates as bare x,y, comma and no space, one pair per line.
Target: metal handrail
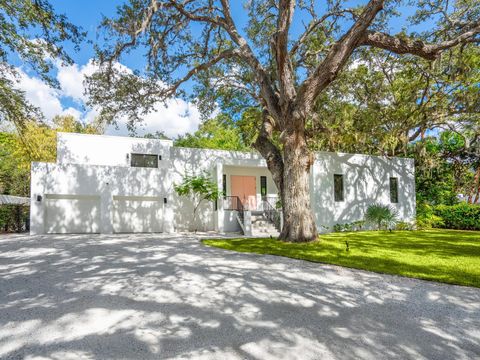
272,214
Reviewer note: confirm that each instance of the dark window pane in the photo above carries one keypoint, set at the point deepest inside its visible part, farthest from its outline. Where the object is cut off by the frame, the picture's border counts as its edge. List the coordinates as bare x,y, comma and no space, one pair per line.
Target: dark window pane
338,187
144,160
263,185
224,181
393,190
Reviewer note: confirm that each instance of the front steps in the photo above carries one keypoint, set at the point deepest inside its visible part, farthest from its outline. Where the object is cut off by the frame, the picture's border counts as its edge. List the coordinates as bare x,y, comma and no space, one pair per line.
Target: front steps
262,227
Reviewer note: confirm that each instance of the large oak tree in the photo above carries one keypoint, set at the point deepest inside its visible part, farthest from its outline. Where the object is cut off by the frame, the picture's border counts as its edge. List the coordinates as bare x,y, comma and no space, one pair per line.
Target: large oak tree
263,65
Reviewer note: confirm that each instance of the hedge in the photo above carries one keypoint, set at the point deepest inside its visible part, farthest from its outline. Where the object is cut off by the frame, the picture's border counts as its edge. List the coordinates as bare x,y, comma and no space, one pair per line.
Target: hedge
461,216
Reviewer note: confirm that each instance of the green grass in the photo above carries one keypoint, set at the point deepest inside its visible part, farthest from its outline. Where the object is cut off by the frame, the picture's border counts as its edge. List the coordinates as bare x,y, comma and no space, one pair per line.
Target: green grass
448,256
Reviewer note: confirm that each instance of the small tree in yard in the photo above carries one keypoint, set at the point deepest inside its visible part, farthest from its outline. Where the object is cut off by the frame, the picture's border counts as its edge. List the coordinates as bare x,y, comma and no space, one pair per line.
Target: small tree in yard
197,188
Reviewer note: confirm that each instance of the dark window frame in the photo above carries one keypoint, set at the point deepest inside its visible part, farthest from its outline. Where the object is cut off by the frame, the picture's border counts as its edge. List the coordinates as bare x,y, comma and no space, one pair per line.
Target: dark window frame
393,184
144,160
263,186
224,185
338,188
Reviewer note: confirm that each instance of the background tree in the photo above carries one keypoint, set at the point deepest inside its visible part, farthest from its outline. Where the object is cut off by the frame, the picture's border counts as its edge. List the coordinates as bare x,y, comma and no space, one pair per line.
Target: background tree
261,66
32,31
156,135
218,133
198,188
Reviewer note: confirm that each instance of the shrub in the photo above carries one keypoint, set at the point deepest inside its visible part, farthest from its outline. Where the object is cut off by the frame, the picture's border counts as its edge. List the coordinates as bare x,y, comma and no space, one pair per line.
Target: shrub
403,225
426,217
461,216
381,215
353,226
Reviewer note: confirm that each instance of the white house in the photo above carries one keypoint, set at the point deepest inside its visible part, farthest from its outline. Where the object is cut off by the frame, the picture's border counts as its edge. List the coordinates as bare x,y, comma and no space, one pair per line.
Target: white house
109,184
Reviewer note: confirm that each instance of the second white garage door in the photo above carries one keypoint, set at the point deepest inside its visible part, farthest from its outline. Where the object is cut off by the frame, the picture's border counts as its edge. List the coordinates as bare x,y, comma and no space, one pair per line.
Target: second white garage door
133,214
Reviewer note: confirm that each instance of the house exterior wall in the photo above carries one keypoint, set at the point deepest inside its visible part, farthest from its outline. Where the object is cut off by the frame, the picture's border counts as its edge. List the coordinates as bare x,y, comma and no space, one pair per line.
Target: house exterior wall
92,171
366,181
106,150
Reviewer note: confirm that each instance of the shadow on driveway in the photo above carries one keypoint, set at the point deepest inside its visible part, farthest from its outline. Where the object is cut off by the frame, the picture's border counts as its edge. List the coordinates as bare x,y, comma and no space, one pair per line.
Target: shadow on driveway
155,296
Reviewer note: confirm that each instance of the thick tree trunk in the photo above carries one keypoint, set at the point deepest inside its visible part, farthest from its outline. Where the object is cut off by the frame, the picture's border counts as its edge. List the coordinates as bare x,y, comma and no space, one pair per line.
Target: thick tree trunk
290,173
299,222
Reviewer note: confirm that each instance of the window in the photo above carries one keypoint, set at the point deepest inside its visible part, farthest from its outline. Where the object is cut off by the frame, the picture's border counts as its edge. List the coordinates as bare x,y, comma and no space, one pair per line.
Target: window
393,190
224,185
338,187
144,160
263,186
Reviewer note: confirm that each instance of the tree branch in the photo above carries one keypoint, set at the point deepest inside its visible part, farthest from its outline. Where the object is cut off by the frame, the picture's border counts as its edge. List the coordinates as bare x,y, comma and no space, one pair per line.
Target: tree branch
269,151
246,53
191,16
336,58
313,25
204,66
284,65
417,47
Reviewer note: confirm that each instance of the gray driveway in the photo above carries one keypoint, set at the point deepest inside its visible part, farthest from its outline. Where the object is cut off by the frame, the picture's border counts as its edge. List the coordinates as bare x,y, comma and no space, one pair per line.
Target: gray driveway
150,296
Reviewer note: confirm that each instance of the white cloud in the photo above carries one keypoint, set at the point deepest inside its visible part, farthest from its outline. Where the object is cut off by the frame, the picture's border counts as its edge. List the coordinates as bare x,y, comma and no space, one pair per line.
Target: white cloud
71,79
40,94
175,118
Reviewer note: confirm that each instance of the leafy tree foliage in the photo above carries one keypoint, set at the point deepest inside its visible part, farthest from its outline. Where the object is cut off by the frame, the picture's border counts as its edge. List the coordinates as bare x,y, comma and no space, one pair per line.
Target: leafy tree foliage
217,133
381,104
32,31
156,135
445,168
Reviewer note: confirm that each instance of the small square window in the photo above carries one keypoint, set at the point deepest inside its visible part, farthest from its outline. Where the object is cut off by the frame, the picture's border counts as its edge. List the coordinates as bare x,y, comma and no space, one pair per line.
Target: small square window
338,187
393,190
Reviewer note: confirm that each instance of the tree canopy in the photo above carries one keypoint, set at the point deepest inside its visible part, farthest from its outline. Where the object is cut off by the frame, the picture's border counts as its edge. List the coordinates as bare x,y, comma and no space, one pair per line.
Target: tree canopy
33,32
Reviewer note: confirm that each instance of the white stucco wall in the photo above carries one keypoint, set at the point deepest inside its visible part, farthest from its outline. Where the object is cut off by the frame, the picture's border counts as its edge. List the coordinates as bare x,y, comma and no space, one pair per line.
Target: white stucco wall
91,167
366,181
108,150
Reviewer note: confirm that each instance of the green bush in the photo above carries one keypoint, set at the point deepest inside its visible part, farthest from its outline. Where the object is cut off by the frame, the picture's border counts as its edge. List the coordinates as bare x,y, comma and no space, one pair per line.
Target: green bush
426,217
461,216
353,226
12,218
403,225
381,216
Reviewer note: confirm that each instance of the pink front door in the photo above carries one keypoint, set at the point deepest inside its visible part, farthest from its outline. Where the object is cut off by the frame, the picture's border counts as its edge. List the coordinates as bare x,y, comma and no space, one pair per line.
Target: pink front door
245,187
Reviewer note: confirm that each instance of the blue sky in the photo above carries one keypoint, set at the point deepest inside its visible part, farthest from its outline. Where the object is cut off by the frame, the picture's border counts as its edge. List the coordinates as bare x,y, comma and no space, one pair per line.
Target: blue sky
176,119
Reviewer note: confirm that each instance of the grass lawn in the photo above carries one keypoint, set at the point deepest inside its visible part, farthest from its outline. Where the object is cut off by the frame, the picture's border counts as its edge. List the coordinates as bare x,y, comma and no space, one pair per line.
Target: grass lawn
448,256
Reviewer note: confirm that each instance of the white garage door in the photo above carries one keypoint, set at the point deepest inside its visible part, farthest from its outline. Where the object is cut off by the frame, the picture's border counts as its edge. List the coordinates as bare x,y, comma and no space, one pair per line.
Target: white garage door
137,214
72,214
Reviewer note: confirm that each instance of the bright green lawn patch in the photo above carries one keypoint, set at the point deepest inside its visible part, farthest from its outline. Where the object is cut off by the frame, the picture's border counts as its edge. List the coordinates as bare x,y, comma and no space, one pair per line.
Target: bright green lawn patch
448,256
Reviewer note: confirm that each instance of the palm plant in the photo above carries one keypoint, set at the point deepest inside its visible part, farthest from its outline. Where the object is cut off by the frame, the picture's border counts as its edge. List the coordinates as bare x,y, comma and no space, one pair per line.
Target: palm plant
381,215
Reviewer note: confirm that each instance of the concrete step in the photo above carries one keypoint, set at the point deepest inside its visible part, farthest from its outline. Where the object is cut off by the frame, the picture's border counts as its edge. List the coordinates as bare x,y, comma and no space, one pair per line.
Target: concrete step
273,234
261,227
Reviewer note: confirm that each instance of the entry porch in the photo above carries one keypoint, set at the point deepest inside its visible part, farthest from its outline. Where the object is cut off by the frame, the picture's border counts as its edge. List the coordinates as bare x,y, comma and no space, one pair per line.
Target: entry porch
248,191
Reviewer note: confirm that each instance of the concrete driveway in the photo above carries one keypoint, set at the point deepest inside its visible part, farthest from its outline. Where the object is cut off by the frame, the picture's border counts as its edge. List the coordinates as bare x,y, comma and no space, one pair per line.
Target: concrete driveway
151,296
